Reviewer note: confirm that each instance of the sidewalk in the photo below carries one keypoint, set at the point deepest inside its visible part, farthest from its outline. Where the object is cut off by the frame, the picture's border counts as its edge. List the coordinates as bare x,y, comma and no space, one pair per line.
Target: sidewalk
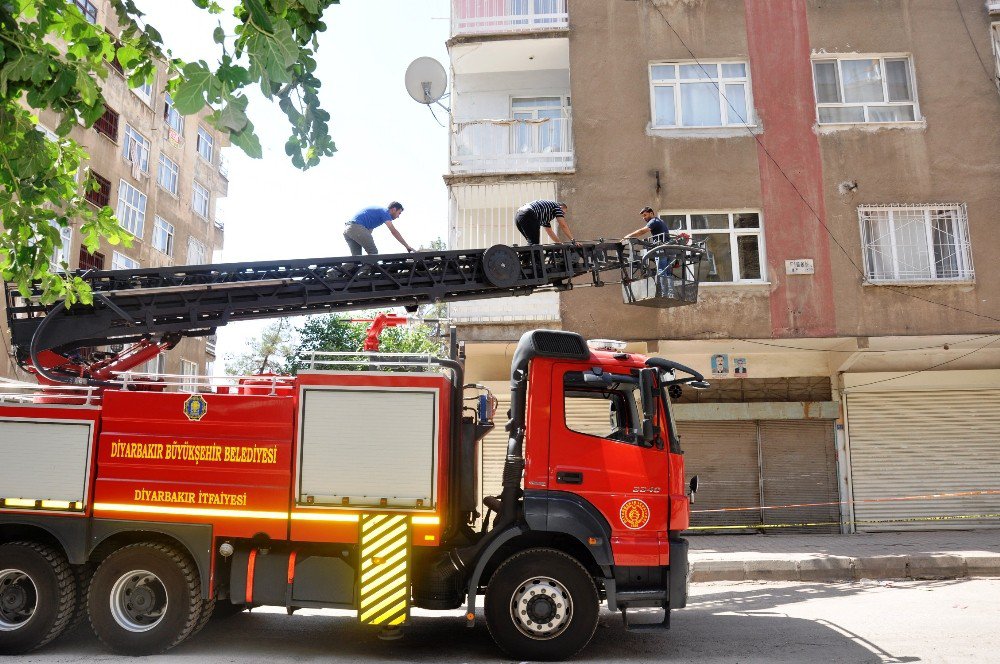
901,555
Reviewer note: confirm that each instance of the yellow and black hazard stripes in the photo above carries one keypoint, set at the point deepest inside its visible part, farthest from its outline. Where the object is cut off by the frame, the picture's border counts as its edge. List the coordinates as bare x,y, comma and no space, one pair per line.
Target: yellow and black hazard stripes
384,586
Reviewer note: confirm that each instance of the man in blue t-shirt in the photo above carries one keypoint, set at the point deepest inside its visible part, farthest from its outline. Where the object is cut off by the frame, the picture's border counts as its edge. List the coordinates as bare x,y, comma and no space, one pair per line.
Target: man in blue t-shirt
358,233
660,233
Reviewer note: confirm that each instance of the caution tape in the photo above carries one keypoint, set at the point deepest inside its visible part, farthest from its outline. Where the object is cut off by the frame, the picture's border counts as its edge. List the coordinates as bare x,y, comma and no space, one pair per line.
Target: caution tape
759,526
929,496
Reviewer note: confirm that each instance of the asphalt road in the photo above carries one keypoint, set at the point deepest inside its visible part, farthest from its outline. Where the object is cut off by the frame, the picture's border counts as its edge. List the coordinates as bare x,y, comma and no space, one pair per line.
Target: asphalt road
916,621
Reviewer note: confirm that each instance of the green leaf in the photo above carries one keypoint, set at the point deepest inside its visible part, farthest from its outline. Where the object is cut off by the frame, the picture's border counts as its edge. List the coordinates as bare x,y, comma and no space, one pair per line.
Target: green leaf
247,141
219,35
274,54
231,117
128,56
259,15
197,83
87,88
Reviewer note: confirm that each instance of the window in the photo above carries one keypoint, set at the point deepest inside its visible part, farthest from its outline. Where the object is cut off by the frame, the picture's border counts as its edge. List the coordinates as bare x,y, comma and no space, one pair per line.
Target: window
535,137
197,253
61,254
174,120
733,240
206,145
89,10
189,373
916,242
135,148
199,199
98,190
607,411
145,91
131,208
122,262
91,261
47,133
163,236
107,124
859,90
157,365
168,174
711,94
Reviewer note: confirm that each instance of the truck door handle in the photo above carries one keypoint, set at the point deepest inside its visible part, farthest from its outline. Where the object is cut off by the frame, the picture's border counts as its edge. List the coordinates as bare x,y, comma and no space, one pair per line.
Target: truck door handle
563,477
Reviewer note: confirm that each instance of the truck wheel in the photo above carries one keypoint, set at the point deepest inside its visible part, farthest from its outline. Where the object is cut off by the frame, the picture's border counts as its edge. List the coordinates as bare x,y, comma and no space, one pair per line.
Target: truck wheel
37,596
541,604
81,579
144,599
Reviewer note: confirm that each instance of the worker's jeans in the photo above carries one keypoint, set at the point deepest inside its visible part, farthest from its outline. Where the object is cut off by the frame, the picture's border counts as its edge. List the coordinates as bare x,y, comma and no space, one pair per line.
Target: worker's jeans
665,277
358,237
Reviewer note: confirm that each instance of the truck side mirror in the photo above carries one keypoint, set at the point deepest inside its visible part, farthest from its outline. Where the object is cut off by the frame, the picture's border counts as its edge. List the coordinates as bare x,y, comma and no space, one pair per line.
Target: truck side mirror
693,488
650,432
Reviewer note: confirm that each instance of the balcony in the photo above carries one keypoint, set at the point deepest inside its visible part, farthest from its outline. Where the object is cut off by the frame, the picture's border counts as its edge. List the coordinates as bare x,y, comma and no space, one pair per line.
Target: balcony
490,17
543,145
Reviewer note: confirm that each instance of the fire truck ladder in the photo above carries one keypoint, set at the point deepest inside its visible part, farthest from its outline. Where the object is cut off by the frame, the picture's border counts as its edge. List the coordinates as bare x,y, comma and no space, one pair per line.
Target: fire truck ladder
135,305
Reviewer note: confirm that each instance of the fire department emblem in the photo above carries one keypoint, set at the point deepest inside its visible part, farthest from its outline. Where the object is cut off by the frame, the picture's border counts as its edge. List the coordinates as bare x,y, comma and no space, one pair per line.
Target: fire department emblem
195,407
634,514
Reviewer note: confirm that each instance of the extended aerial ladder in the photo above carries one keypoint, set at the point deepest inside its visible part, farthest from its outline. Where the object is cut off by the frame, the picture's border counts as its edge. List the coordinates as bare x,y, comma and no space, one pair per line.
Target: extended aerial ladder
153,308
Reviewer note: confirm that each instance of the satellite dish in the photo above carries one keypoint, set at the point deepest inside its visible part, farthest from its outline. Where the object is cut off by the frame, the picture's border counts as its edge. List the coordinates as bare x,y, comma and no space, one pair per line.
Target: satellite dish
426,80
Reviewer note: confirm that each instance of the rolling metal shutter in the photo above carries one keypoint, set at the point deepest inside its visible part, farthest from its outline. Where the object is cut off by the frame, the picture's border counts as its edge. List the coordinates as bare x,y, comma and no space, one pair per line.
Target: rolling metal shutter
724,456
800,467
916,443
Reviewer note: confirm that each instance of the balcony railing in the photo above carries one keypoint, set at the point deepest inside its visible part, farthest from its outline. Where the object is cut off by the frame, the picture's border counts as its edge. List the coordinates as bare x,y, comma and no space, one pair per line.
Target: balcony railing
484,17
512,146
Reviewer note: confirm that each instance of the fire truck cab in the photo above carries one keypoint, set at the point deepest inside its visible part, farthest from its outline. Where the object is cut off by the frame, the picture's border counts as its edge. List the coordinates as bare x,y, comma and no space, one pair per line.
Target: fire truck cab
354,487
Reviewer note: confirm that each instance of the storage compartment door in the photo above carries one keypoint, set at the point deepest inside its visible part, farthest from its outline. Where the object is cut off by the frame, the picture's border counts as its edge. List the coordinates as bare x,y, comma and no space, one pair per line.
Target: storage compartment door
368,447
44,461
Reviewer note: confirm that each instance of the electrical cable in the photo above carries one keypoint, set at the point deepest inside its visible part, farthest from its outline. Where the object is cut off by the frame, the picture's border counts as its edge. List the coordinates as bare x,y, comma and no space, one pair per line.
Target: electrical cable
863,350
919,371
991,77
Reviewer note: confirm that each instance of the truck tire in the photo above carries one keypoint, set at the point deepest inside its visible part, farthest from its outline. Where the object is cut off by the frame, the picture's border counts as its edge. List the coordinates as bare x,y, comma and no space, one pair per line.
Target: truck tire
37,596
144,599
541,604
81,579
207,609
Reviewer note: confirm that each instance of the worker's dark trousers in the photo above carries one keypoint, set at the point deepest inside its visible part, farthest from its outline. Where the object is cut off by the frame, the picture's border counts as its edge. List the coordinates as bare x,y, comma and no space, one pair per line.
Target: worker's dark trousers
528,225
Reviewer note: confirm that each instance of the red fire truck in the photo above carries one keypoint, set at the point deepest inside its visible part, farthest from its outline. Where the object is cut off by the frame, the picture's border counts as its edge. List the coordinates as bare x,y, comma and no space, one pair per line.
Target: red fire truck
352,485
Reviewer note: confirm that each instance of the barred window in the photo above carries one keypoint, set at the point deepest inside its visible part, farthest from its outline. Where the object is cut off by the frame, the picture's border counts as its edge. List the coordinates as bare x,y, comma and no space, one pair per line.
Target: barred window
914,243
107,124
98,190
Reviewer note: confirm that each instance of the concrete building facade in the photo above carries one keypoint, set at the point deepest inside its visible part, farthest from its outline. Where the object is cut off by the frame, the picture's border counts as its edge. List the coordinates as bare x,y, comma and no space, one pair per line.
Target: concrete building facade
839,161
164,175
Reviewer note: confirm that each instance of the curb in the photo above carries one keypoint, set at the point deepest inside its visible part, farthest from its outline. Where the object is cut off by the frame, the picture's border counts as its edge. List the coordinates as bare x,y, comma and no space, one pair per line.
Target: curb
847,568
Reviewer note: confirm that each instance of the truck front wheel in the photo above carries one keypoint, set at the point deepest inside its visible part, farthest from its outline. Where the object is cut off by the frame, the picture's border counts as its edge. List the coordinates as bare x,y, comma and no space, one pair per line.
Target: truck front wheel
37,596
144,599
541,604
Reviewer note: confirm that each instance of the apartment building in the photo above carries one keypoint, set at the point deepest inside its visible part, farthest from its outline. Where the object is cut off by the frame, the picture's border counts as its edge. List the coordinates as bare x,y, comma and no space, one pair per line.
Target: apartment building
164,174
838,160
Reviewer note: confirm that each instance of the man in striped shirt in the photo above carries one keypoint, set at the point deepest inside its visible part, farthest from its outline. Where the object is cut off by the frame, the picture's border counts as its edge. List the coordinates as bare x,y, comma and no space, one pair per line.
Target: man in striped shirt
532,217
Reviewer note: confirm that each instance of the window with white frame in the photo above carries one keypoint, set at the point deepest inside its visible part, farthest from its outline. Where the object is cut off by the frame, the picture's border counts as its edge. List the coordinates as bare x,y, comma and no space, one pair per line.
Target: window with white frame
47,133
734,242
120,261
197,253
709,94
163,236
62,252
916,243
157,365
206,144
189,376
131,208
89,10
145,90
168,174
852,90
173,119
200,199
547,124
135,148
